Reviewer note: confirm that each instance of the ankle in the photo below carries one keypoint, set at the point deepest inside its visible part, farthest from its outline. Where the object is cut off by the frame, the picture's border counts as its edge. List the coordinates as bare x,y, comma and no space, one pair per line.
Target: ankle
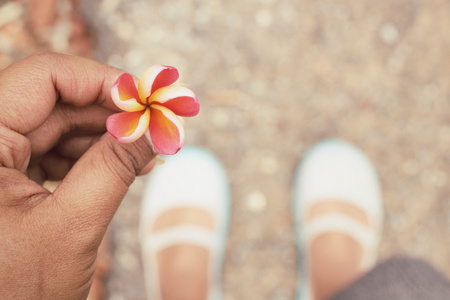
335,262
183,272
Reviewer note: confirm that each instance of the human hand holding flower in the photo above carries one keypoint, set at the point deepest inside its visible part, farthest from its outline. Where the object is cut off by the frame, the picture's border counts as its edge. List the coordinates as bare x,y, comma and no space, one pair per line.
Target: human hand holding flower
153,106
53,111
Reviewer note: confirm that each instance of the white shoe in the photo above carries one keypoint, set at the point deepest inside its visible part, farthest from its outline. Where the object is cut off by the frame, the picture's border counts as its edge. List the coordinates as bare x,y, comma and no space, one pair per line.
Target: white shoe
192,178
336,170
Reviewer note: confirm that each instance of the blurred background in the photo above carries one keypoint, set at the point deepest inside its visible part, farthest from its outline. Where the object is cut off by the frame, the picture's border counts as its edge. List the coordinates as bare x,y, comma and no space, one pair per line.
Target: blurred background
273,77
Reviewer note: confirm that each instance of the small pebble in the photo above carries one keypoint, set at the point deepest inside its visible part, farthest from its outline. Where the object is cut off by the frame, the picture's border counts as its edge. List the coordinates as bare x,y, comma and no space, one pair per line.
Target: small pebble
389,33
10,12
256,201
109,6
134,57
269,165
264,18
126,259
220,118
125,30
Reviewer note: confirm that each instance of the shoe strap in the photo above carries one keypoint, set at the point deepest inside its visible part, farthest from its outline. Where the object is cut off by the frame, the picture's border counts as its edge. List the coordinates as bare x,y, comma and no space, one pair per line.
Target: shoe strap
181,234
335,222
177,235
373,213
151,213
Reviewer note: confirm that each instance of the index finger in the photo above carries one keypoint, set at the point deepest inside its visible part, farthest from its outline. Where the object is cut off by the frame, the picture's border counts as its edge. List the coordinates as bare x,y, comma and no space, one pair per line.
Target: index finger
31,87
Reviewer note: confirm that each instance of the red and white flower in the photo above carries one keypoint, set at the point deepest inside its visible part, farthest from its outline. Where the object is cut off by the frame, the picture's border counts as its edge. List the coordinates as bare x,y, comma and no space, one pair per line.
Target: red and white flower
154,105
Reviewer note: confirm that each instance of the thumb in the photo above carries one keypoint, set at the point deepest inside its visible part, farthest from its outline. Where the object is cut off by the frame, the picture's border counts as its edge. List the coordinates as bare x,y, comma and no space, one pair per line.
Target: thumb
95,186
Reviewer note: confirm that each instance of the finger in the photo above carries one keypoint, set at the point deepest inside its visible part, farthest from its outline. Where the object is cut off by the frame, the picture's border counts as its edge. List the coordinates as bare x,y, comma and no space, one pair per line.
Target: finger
67,120
66,153
148,167
17,189
36,174
97,183
15,150
34,84
51,167
75,147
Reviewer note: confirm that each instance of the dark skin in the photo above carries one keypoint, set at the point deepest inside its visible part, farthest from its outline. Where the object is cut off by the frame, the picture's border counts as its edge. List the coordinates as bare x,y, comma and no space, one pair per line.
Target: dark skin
53,110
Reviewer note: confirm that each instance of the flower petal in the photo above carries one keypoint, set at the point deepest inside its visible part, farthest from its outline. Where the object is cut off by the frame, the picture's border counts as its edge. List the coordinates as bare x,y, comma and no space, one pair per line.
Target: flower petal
154,78
127,127
125,94
166,130
179,99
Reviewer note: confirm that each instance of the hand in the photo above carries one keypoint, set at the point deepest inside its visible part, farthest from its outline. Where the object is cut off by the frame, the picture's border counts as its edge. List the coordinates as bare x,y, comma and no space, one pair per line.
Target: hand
53,110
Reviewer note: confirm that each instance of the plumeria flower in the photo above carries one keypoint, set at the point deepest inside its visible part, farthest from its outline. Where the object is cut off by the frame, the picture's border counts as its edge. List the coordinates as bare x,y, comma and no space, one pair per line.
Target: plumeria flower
154,105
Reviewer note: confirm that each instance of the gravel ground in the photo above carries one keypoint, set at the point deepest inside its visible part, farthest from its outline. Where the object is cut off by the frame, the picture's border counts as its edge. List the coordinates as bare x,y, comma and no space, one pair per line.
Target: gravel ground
274,77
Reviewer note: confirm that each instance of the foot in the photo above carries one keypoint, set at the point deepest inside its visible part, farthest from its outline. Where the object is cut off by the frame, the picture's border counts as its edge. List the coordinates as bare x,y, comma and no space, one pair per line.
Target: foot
184,266
183,226
335,257
337,210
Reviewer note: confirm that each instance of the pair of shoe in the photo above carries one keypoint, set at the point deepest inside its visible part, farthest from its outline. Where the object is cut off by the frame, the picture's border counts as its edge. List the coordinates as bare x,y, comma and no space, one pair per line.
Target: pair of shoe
194,178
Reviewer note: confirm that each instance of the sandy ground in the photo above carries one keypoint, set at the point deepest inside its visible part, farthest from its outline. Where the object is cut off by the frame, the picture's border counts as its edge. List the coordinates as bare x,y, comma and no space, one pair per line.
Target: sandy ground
274,77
